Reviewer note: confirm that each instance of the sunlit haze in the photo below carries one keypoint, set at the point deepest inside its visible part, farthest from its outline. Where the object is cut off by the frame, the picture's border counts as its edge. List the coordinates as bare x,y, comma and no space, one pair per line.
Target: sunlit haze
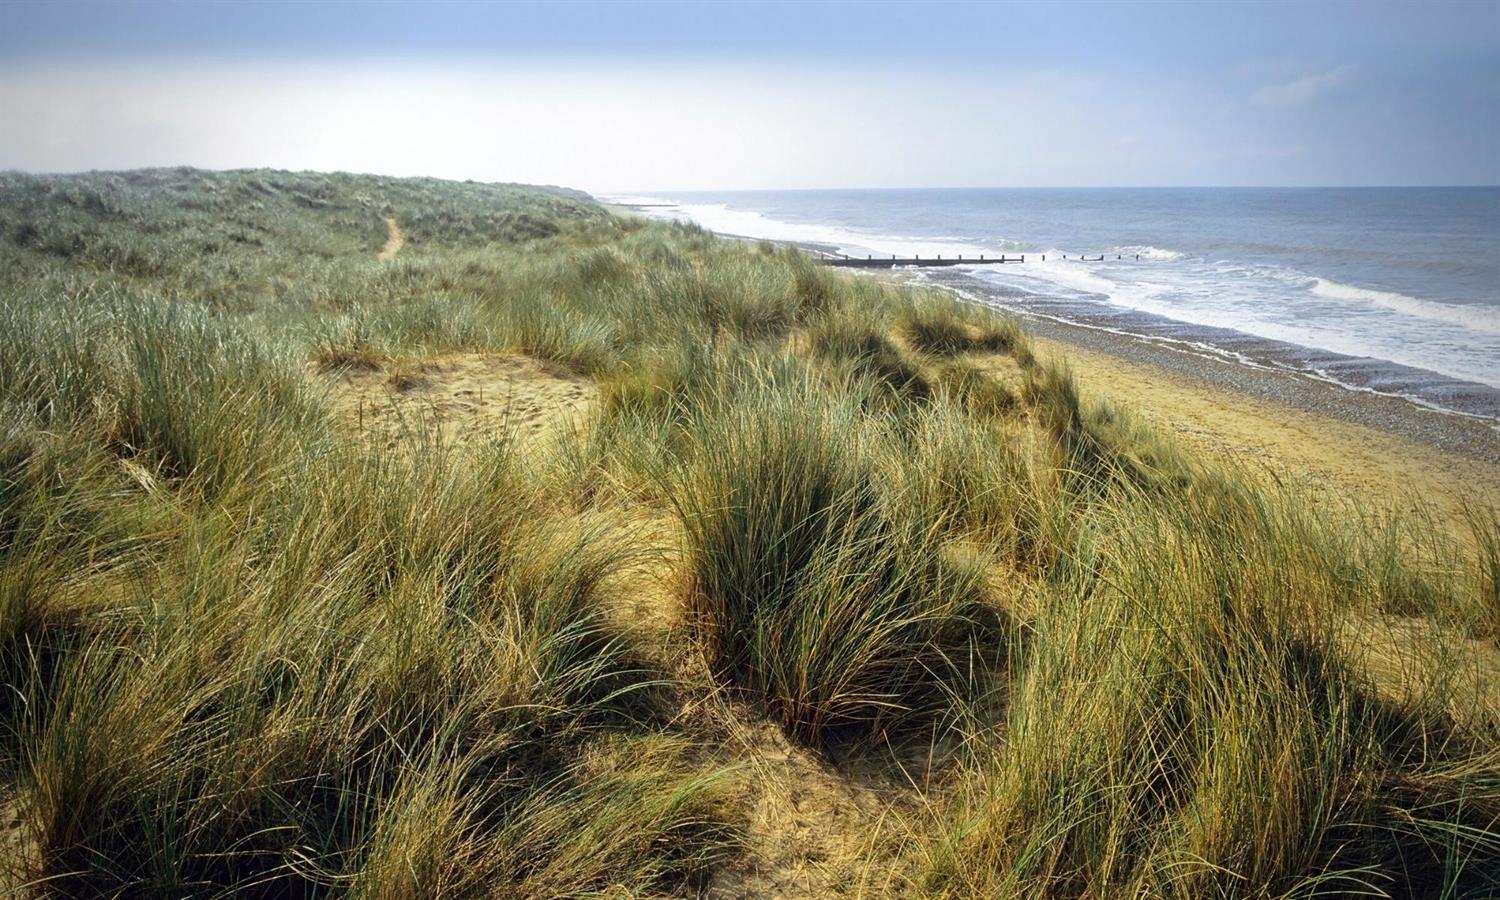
641,97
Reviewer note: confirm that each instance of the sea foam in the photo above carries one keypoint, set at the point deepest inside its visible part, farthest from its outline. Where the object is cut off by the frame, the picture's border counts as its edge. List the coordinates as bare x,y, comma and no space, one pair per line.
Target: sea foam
1477,318
1146,251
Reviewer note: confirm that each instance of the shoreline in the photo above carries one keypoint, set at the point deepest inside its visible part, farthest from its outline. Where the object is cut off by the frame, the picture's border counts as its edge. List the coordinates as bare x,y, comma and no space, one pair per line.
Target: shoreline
1345,445
1318,443
1462,435
1469,435
1377,376
1420,389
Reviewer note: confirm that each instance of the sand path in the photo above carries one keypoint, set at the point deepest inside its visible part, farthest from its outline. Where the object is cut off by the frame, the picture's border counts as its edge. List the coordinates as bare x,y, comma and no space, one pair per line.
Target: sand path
395,239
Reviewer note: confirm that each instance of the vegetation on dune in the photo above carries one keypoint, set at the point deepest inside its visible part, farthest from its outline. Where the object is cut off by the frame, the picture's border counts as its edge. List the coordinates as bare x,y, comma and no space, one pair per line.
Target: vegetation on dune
1194,692
814,585
248,650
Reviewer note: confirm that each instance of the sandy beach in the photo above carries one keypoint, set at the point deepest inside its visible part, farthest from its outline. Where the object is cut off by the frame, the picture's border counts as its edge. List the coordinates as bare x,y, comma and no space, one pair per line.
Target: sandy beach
1342,445
1365,448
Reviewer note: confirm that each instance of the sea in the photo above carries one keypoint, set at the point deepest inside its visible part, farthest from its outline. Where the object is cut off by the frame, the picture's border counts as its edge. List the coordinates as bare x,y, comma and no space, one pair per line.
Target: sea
1390,290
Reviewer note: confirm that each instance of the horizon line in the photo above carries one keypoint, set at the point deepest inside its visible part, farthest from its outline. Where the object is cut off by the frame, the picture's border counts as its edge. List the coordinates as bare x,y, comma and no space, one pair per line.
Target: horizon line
743,190
1065,187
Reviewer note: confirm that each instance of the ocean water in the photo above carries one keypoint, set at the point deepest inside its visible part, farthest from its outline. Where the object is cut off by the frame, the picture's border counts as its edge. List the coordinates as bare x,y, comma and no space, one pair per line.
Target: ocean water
1395,290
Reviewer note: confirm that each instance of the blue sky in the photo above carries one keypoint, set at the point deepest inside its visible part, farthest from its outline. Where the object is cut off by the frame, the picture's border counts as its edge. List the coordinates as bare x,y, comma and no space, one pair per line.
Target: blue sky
661,96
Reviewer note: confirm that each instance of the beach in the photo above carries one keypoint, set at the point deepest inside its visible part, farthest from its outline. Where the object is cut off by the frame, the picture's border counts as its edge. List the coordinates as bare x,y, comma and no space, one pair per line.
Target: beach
1363,446
1360,447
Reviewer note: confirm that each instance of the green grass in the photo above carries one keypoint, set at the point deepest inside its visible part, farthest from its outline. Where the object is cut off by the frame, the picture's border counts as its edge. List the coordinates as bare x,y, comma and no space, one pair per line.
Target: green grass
1181,705
814,586
247,652
945,328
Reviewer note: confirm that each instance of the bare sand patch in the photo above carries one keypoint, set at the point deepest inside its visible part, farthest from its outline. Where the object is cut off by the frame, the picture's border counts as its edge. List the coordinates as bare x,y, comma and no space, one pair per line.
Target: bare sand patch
812,830
17,843
466,397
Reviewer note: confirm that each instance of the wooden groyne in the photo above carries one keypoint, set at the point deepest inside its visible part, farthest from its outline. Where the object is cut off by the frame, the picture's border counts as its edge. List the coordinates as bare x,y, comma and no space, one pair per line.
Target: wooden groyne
828,254
881,262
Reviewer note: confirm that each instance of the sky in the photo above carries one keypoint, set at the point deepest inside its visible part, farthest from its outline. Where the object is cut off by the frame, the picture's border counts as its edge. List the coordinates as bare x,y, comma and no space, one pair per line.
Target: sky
639,97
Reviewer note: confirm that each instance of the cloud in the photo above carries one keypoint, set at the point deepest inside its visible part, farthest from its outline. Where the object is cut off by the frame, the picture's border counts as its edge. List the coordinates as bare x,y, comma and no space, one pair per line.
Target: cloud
598,126
1305,90
613,126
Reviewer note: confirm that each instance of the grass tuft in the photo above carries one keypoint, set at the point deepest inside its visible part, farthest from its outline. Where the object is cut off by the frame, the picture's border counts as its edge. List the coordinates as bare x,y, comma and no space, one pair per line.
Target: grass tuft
813,587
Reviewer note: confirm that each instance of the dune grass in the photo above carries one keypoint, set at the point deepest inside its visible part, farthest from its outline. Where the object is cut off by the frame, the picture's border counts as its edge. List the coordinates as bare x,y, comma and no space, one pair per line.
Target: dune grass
814,585
247,652
1193,719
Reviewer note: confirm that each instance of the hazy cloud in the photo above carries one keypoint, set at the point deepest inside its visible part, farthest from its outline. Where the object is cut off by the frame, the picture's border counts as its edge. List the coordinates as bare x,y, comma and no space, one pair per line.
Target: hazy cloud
1304,90
594,126
609,127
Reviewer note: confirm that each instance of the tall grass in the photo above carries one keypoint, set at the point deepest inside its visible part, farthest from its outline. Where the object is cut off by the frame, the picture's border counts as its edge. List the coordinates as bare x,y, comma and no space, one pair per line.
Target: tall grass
814,587
938,325
1194,718
406,635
